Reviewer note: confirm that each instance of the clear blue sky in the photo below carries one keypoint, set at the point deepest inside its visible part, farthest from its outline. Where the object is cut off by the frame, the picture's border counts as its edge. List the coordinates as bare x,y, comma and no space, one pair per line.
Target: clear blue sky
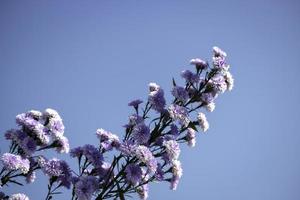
87,59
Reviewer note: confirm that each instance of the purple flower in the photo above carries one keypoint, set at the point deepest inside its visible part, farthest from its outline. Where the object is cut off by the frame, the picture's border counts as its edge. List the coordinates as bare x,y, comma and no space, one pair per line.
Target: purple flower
56,127
156,98
189,76
134,120
177,173
107,139
18,196
208,98
103,170
141,133
159,174
85,187
180,93
200,64
63,145
26,121
127,147
76,152
191,137
28,145
53,167
135,103
93,155
15,162
134,174
172,150
145,156
179,113
174,130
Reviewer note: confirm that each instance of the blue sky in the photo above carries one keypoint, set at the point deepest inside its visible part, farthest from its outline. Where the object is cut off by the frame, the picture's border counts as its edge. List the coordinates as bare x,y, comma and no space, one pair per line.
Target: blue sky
87,59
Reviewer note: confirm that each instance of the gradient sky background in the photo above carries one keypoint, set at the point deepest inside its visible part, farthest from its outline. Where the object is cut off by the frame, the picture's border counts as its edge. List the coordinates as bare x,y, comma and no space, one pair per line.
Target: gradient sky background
87,59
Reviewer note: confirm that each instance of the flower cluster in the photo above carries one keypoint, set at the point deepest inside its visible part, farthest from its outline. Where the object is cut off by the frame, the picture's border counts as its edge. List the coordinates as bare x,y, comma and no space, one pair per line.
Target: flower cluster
149,151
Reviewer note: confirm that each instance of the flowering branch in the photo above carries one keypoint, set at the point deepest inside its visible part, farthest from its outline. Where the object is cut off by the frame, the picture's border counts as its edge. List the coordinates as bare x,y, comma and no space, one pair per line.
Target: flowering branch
149,150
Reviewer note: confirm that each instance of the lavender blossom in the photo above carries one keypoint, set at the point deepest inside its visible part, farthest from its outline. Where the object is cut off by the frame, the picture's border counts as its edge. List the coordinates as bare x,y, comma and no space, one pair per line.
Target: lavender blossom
180,93
172,150
62,145
191,137
210,107
141,133
203,122
177,173
15,162
28,145
134,174
93,155
144,155
190,77
107,139
18,196
85,187
156,98
200,64
135,103
52,167
179,113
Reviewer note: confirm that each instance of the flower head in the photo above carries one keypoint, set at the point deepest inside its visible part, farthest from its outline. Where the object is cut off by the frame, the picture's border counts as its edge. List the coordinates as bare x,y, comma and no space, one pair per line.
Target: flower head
134,174
203,122
172,150
141,133
191,137
179,113
156,98
200,64
15,162
190,77
180,93
85,187
144,155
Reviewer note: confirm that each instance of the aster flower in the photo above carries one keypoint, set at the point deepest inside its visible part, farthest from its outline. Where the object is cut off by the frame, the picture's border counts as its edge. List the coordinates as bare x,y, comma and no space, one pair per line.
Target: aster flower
62,145
190,77
15,162
177,173
56,126
218,83
208,97
218,52
93,155
52,167
18,196
134,174
141,133
203,122
145,156
210,107
156,98
76,152
107,139
179,113
191,137
180,93
172,150
135,103
28,145
85,187
153,87
200,64
159,174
